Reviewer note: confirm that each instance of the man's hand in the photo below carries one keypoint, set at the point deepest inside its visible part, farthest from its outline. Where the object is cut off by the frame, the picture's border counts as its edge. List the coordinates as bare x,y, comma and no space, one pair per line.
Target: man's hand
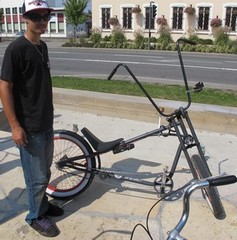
19,136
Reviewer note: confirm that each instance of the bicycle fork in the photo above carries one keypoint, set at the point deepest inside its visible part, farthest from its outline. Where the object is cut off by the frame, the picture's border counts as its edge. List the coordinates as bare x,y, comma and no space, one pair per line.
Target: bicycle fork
186,141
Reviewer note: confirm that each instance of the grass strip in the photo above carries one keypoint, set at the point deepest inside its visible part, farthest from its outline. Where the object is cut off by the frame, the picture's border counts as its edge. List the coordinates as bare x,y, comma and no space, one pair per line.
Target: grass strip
156,90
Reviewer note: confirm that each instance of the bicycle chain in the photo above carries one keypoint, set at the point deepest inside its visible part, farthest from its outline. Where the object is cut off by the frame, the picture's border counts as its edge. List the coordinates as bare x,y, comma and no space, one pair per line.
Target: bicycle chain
120,175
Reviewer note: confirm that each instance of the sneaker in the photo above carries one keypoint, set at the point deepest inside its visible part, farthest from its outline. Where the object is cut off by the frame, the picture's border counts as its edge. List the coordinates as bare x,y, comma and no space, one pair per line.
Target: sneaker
45,227
54,211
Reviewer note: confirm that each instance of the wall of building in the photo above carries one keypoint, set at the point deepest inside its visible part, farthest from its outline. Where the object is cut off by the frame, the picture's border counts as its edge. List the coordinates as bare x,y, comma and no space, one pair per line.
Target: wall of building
13,23
190,23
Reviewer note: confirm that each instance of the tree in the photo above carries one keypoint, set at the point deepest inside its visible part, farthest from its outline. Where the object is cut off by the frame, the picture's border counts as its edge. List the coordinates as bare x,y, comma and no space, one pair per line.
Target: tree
74,12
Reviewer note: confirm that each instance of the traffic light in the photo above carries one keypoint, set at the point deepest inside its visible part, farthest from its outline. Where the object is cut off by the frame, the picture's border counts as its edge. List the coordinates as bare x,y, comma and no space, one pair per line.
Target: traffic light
153,11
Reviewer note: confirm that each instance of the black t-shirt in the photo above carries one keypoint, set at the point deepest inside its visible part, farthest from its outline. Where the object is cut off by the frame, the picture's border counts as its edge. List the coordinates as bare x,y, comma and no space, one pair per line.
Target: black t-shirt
27,66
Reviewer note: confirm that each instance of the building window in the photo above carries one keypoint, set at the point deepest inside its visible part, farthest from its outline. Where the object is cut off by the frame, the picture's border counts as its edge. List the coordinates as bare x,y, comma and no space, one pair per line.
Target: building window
14,10
105,13
9,27
52,27
61,27
147,19
15,27
231,18
1,21
177,21
203,18
7,11
127,18
23,26
60,17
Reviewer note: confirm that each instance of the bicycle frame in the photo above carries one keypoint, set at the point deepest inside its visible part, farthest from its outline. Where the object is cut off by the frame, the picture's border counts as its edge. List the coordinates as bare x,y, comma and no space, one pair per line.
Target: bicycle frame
178,120
179,125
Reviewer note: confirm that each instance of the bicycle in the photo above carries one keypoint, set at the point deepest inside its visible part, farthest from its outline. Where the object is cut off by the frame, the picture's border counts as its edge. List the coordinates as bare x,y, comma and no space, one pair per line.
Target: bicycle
189,188
77,159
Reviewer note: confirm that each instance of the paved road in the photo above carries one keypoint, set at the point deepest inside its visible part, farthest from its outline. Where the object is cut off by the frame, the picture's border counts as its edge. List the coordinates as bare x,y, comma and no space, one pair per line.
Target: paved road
215,70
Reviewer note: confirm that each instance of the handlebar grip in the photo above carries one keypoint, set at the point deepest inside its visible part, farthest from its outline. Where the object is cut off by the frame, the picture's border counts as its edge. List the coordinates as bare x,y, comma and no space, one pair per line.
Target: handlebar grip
222,180
187,41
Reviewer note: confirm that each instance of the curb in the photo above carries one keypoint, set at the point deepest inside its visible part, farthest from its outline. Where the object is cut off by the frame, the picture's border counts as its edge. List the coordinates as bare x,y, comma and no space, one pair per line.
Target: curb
204,117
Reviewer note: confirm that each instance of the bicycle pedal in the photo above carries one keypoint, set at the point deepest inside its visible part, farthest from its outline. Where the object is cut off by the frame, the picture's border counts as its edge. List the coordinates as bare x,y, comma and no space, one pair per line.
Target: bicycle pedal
163,185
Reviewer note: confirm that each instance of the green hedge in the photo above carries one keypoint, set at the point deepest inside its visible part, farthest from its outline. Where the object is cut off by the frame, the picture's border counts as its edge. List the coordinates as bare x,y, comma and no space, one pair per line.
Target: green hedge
118,41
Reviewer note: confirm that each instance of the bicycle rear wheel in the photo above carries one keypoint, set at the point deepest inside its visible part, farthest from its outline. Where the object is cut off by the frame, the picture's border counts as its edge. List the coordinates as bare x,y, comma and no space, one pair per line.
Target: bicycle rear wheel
200,171
70,178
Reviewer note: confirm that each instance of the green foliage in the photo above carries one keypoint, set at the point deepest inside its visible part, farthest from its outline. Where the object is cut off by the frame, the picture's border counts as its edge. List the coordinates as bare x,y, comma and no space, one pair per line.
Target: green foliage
118,37
188,48
96,35
198,40
165,39
161,91
74,11
153,40
222,38
140,40
194,38
107,38
233,45
206,41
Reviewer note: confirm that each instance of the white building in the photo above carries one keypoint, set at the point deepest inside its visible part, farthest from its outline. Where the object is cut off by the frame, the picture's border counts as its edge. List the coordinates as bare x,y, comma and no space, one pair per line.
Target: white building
180,23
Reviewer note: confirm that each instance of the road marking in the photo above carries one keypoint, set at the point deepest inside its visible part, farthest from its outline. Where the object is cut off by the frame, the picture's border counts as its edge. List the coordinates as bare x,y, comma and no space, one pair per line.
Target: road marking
144,56
193,61
142,63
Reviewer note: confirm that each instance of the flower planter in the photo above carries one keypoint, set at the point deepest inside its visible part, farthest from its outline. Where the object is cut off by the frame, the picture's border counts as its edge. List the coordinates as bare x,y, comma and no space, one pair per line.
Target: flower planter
216,22
161,21
190,10
113,21
136,10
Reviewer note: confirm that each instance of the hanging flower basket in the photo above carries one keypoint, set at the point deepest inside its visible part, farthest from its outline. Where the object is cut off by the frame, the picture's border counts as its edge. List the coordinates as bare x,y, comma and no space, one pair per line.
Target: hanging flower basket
190,10
161,21
216,22
136,10
113,21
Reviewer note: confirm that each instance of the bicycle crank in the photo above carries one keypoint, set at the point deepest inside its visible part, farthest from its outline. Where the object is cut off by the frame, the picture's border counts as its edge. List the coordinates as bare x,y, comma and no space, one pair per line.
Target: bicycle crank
163,184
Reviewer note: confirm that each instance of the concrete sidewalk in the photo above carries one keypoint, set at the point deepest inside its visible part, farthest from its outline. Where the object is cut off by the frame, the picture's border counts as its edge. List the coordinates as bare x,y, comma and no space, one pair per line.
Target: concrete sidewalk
110,209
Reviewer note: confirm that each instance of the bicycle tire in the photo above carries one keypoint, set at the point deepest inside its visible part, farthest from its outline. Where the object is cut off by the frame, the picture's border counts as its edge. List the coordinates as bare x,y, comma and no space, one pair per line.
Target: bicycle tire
66,181
201,170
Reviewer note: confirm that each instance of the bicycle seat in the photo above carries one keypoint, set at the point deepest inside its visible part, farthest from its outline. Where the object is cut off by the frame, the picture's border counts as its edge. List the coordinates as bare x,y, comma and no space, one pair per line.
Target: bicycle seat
99,145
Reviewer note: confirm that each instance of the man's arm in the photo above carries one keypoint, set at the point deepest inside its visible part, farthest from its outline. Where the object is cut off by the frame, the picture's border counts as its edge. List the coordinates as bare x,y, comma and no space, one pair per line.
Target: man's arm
18,134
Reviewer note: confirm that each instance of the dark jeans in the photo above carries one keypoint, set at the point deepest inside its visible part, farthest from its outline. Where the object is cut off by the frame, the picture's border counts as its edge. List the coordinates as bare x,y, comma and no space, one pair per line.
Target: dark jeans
36,160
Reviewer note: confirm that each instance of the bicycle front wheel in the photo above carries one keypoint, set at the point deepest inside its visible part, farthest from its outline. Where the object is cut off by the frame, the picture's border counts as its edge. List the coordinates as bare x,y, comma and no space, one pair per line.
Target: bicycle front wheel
200,171
70,177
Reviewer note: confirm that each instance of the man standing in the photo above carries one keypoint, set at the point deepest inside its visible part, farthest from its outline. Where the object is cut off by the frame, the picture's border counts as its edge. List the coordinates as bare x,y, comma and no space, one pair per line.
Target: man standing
26,94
